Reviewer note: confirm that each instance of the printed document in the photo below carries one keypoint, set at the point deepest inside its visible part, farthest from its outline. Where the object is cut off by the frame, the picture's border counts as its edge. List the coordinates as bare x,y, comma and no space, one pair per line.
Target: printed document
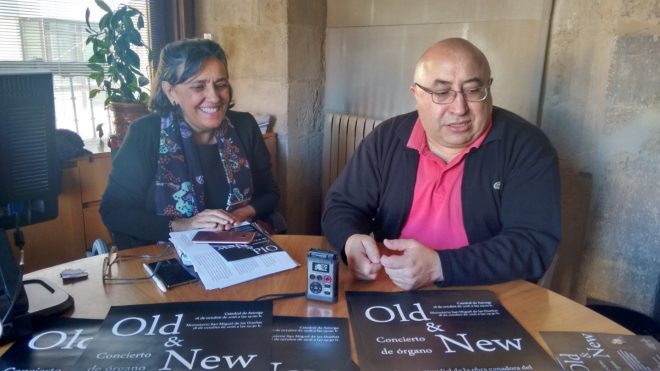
216,272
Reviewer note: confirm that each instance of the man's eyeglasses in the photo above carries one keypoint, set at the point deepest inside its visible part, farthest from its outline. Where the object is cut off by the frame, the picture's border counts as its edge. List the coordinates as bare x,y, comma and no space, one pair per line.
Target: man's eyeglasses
115,258
447,96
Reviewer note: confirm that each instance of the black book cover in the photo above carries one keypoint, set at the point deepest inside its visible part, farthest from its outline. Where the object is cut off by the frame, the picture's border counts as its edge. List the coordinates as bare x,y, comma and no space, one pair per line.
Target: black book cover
228,335
260,245
442,331
311,344
589,351
55,347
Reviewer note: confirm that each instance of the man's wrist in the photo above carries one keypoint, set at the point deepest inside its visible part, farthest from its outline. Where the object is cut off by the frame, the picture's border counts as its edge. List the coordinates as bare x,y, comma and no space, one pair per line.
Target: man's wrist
439,276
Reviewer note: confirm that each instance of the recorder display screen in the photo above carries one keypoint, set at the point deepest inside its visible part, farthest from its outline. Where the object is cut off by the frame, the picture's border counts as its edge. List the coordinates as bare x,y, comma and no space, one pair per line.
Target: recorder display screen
321,267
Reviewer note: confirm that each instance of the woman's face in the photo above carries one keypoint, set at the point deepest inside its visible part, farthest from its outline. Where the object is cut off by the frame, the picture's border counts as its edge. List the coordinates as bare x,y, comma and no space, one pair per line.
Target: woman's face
203,98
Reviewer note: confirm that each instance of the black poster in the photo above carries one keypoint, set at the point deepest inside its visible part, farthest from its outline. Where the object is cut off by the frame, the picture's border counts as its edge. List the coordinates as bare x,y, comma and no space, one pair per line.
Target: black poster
582,351
311,344
442,331
231,335
56,347
261,245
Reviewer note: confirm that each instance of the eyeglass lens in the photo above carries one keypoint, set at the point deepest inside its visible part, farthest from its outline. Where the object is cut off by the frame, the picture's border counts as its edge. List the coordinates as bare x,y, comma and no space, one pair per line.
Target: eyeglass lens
471,95
448,96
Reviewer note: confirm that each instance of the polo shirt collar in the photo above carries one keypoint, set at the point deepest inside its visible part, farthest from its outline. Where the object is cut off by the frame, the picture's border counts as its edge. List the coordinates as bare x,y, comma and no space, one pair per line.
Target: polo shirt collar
418,142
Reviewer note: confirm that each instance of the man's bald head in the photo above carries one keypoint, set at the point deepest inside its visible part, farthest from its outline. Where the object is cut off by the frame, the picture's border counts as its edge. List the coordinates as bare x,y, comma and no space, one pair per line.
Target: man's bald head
452,49
456,74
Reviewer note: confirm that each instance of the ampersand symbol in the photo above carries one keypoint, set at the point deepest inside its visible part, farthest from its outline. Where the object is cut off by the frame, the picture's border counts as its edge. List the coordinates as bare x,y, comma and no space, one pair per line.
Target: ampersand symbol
432,327
173,341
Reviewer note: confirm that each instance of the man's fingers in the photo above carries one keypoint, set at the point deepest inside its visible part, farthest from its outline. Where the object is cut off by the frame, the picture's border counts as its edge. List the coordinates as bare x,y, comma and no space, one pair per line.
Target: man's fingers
371,250
362,268
395,262
398,244
363,256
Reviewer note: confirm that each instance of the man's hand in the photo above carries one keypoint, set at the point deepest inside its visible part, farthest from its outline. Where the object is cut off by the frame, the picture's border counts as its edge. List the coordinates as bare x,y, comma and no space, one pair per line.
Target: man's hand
416,267
363,256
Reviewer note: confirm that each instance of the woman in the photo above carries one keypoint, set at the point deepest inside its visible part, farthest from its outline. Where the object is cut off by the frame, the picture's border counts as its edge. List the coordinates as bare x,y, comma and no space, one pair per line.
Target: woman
193,163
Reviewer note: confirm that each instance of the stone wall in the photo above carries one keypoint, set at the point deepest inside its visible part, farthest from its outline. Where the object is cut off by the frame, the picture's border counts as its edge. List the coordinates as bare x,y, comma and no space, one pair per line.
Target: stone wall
601,109
274,49
372,47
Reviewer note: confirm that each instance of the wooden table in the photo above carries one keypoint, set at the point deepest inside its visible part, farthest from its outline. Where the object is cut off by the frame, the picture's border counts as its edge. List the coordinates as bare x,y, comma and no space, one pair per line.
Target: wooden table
536,308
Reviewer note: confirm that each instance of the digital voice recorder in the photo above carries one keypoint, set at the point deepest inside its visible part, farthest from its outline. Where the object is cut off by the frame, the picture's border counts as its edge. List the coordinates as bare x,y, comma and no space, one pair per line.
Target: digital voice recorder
322,275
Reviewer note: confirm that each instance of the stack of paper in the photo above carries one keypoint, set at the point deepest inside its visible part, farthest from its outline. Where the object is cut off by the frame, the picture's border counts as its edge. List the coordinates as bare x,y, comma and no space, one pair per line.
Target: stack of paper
216,272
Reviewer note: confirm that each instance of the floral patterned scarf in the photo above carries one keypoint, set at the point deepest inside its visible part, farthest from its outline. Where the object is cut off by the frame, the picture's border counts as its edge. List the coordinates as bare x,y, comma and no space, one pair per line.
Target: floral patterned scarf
179,180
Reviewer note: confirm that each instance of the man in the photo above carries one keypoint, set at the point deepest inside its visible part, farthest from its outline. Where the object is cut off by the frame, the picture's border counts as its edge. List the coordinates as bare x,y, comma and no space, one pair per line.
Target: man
460,192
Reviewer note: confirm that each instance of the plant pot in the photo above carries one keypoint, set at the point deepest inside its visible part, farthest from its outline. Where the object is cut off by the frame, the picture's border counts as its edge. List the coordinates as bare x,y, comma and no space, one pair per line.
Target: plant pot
123,114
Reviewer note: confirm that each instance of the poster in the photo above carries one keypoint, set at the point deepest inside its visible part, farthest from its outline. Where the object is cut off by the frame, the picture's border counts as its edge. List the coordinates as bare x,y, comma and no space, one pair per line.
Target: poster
442,331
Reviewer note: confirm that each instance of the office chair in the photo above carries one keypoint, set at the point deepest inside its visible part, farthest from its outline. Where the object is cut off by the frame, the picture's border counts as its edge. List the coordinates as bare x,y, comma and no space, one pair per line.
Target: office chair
638,323
99,246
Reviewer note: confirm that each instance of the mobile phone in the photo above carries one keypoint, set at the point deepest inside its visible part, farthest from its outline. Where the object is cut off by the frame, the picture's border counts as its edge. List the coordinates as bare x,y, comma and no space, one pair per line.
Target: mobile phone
224,237
169,273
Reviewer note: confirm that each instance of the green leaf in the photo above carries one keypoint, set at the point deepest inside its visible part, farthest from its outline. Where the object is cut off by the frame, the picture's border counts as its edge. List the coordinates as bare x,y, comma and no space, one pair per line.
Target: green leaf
140,23
95,67
101,4
144,98
94,92
132,58
143,81
93,59
87,19
128,23
105,20
134,37
132,12
97,78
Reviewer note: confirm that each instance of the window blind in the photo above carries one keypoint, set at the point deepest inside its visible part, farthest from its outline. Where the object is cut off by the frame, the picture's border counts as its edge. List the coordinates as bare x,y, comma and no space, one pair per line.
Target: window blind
46,34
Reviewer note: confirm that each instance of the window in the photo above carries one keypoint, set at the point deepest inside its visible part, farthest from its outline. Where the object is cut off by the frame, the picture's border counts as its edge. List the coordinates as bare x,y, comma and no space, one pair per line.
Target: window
46,34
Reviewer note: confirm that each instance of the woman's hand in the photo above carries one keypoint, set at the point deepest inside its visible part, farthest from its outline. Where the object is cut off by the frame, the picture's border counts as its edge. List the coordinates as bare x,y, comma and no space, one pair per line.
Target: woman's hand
209,218
242,214
215,218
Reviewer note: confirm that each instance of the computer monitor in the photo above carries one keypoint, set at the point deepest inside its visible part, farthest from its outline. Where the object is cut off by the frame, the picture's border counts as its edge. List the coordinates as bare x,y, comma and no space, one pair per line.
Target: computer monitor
29,186
28,162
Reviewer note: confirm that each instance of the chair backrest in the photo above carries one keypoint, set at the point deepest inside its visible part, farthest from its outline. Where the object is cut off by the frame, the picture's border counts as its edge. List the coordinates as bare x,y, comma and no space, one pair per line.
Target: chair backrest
576,195
342,133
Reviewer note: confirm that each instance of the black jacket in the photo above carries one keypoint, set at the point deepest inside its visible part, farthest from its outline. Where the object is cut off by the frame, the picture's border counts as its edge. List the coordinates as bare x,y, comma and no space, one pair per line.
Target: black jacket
510,199
128,206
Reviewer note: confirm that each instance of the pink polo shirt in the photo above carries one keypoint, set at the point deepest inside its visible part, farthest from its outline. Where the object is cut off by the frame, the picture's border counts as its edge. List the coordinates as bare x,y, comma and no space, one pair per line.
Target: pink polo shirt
436,215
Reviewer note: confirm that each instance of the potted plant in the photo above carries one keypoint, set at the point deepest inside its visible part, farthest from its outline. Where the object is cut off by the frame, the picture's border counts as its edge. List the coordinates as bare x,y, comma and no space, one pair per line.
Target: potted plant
116,67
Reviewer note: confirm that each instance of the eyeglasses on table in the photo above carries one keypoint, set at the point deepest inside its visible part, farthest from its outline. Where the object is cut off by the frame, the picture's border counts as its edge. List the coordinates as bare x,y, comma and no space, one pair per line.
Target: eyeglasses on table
115,258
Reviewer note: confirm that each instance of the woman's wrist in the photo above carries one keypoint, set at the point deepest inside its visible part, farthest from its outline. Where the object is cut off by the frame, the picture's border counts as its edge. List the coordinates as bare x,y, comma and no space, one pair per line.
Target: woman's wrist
244,213
171,227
